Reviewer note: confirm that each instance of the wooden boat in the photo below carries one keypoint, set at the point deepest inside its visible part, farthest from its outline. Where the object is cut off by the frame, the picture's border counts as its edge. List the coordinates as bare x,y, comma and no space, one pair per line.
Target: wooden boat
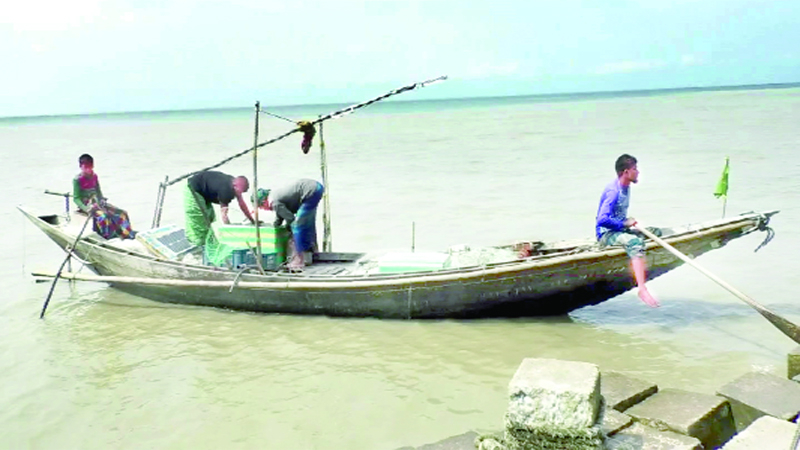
555,279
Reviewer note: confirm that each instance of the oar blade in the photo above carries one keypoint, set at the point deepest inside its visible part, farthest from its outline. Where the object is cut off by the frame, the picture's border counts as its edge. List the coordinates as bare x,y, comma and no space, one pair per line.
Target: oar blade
788,328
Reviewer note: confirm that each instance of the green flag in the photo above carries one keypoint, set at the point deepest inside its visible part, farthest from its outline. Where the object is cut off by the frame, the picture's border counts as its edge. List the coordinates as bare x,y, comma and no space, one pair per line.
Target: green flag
722,184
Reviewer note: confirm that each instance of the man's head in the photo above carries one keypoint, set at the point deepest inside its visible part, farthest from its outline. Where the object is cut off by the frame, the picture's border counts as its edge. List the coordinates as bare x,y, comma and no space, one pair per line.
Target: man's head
627,171
260,198
86,163
240,184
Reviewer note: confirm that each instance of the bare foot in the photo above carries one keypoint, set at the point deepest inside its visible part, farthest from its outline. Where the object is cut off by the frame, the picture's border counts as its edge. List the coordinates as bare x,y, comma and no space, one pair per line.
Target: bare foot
296,264
644,295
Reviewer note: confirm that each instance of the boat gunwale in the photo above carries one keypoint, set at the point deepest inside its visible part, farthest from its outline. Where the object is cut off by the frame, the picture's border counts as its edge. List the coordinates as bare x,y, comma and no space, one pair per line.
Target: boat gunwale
394,281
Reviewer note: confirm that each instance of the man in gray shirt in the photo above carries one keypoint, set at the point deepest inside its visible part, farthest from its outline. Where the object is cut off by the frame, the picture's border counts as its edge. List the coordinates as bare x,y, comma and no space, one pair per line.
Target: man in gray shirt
296,204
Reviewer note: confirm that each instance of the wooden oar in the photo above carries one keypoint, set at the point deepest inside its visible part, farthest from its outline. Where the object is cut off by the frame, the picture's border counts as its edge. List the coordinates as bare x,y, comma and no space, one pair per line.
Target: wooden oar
788,328
60,269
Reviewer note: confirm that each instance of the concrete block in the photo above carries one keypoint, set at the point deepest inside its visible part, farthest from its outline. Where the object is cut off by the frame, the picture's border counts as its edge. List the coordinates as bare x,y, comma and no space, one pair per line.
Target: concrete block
640,437
553,394
793,363
621,391
490,443
766,432
757,394
706,417
523,439
612,421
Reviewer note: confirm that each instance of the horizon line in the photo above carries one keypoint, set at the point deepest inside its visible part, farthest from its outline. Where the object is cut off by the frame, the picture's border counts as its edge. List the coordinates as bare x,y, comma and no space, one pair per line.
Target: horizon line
554,95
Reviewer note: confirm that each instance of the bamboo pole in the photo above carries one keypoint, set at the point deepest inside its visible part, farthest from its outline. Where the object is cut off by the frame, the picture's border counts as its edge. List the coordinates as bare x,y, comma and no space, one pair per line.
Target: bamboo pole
786,327
333,115
326,205
255,190
60,269
162,192
66,196
724,205
413,236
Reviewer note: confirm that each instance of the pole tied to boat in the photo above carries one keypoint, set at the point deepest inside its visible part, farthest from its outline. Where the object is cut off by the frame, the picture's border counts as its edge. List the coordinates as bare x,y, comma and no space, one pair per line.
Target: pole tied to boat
66,196
333,115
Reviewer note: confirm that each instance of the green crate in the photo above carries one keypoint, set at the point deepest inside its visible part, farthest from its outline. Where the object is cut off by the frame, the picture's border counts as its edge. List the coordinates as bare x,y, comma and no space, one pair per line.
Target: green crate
238,237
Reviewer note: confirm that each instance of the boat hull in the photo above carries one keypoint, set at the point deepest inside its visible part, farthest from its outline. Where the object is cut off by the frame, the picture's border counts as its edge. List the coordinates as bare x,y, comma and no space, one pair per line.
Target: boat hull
552,284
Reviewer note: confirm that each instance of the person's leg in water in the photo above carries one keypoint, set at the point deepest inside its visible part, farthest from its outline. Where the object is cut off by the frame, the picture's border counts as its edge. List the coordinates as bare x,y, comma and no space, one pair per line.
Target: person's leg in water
634,247
639,268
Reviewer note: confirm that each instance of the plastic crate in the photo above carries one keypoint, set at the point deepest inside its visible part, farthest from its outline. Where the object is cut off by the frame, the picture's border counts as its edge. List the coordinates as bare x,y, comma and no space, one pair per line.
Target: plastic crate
273,240
269,261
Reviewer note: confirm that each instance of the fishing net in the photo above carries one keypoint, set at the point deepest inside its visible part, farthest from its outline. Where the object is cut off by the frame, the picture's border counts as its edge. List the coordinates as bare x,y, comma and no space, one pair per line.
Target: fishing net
464,256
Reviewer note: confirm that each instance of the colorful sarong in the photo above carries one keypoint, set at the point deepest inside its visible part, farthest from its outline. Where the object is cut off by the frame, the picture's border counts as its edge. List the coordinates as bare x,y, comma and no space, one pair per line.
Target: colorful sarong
111,222
633,243
304,227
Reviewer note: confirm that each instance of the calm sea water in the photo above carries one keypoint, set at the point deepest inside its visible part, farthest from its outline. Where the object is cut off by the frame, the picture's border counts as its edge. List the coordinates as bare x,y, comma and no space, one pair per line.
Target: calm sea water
109,370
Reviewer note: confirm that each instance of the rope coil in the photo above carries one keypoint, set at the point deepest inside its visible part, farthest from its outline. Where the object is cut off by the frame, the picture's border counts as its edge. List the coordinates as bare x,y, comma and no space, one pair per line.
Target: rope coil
763,225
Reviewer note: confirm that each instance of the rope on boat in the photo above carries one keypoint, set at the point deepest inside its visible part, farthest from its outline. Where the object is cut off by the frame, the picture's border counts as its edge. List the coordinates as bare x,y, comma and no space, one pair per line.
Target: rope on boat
307,128
763,225
277,116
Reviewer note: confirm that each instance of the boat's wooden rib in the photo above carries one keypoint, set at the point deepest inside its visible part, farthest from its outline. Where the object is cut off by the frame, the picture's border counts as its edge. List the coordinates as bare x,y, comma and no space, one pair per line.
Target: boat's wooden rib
556,280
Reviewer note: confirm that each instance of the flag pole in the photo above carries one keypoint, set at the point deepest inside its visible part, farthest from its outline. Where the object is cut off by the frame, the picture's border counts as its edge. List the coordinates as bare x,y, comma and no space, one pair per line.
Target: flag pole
724,205
722,186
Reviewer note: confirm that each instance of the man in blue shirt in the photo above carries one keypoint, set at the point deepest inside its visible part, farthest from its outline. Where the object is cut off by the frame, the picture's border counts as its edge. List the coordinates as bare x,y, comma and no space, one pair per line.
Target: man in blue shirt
613,224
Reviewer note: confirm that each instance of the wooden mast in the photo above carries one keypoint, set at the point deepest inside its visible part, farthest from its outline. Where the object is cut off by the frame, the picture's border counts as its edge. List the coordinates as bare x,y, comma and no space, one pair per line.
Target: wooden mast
326,204
255,187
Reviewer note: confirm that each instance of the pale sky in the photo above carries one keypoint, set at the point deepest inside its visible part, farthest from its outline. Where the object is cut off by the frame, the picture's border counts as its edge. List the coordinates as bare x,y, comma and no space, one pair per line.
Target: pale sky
89,56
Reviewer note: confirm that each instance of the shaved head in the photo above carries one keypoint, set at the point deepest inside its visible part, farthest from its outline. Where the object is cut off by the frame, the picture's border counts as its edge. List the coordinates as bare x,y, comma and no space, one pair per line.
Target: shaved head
240,184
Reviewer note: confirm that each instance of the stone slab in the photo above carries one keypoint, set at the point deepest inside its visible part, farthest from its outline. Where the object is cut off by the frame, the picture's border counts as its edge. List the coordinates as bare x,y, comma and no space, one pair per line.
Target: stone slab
793,362
490,442
613,421
766,432
464,441
757,394
553,394
706,417
621,391
640,437
522,440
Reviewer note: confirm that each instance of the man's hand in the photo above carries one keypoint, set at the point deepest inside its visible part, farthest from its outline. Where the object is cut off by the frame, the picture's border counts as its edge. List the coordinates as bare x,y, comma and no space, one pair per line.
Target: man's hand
630,222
